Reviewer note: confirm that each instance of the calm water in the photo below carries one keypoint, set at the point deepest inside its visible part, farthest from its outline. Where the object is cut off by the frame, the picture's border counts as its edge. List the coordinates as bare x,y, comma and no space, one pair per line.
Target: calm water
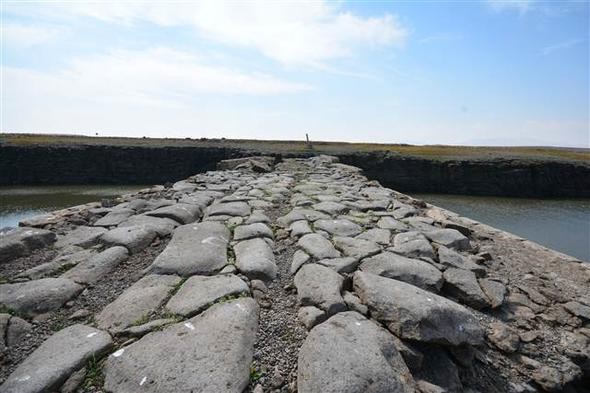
560,224
21,202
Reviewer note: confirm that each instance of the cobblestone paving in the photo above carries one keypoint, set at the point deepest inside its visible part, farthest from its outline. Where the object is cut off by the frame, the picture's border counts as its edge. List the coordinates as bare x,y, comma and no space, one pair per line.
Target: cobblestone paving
293,276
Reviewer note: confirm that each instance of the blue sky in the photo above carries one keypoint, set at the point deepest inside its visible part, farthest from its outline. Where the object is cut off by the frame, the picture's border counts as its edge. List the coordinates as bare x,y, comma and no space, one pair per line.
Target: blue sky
486,72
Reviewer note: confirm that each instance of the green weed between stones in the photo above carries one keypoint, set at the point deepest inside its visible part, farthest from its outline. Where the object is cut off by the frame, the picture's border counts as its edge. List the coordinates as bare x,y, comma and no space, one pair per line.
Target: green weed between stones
94,375
255,375
176,287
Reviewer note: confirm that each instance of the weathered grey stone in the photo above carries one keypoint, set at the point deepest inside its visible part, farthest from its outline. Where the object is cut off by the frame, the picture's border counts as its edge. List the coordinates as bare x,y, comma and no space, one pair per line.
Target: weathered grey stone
299,214
249,231
402,210
463,285
258,216
99,265
162,226
354,303
66,351
422,224
578,309
12,330
74,381
413,245
503,337
199,292
331,208
494,290
350,354
356,248
318,246
415,314
310,316
114,218
255,259
363,206
378,235
299,259
241,209
449,238
439,369
38,296
194,249
451,258
134,238
136,303
140,330
21,241
217,344
338,227
412,271
387,222
82,236
341,265
320,286
60,263
183,213
300,228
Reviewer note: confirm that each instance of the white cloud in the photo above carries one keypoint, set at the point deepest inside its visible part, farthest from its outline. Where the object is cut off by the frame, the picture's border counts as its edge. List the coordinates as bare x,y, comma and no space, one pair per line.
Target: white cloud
15,35
154,77
560,46
522,6
292,33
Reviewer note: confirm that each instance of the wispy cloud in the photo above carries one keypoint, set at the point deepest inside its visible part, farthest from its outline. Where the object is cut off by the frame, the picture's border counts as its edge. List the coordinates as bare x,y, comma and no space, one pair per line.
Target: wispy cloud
16,35
292,33
158,76
522,6
441,37
560,46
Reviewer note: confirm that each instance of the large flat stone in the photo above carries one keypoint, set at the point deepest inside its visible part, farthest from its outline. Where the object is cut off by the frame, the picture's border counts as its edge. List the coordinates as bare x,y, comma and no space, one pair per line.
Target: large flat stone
415,314
199,292
255,259
318,246
451,238
114,217
350,354
299,214
211,352
137,302
183,213
320,286
241,209
356,248
378,235
162,226
22,241
463,285
413,245
194,249
47,368
412,271
451,258
338,227
249,231
134,238
38,296
82,236
95,268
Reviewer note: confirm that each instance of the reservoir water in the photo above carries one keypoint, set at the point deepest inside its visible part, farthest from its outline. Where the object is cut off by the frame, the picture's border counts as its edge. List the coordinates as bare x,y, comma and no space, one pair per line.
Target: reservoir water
561,224
17,203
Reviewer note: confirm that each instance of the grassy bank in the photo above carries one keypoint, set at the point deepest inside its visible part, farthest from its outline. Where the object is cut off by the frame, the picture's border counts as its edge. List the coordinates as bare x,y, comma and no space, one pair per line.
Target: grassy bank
441,152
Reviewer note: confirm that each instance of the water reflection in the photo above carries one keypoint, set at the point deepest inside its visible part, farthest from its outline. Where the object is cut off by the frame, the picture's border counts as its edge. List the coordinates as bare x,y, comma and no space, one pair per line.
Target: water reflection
561,224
